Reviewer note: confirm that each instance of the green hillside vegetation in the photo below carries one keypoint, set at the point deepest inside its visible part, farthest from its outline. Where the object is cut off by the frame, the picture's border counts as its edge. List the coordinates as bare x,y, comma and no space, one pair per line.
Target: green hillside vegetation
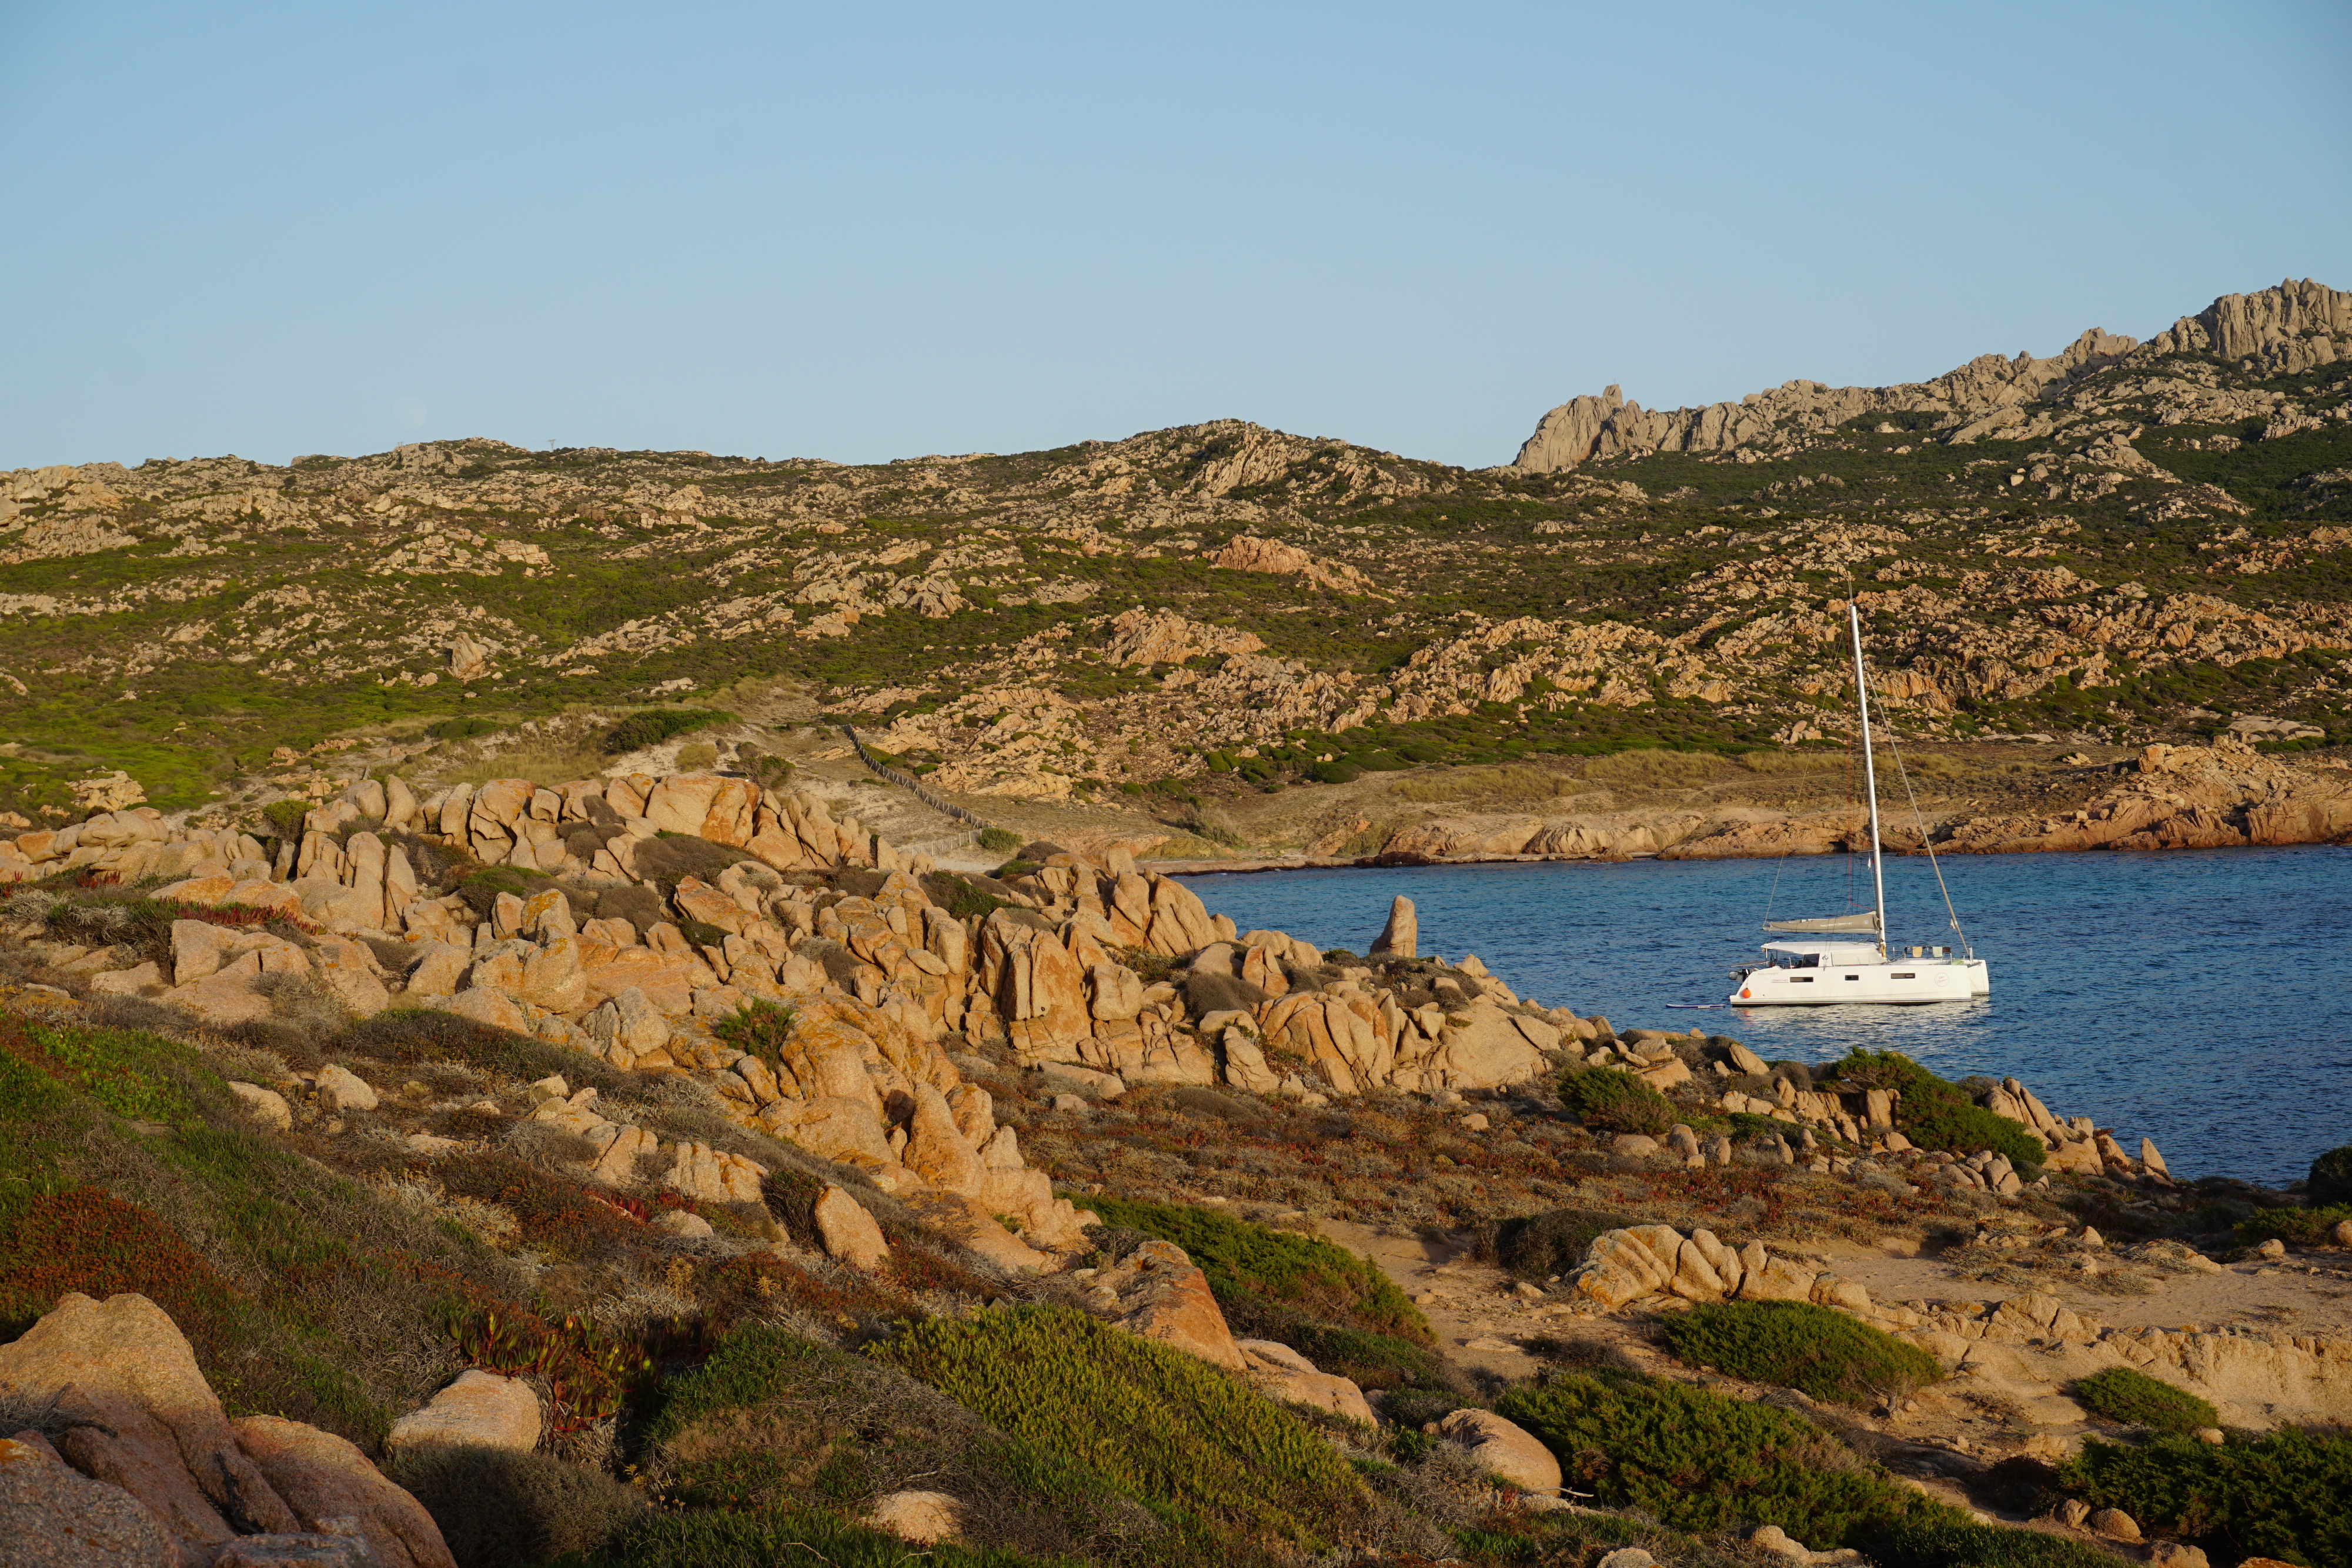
1656,542
2280,1495
1203,1450
1702,1462
1616,1100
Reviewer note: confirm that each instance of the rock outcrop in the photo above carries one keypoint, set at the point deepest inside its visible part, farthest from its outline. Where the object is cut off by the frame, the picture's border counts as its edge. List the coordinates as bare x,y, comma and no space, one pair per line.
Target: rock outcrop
136,1414
2282,331
2256,1379
481,1409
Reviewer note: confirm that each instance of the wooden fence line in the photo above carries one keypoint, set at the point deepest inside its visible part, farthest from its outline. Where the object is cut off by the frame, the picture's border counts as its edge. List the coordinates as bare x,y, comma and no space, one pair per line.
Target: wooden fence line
907,781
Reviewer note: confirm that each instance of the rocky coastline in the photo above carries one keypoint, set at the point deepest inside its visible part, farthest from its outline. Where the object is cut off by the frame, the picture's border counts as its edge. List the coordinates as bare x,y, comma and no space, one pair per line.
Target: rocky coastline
941,1063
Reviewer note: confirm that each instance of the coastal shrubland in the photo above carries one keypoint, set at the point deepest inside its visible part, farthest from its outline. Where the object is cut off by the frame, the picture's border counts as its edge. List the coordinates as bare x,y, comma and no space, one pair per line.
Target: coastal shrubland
1615,1101
1208,1455
2133,1398
1795,1344
1934,1112
2284,1494
840,1257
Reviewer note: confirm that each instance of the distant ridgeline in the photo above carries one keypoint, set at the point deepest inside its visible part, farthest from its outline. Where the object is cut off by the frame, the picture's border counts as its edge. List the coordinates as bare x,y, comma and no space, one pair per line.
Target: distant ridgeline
2129,541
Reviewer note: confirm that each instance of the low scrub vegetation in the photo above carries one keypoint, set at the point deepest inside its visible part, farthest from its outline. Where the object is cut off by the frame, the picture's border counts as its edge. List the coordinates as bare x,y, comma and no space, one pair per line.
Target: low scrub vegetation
2286,1495
1615,1101
2331,1179
779,1537
654,725
1511,783
1795,1344
2135,1400
1935,1114
1203,1450
1702,1461
497,1508
1538,1245
1249,1263
2297,1227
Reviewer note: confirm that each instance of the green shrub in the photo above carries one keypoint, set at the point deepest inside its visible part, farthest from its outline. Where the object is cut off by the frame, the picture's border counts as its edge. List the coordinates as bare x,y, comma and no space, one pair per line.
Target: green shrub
2300,1226
2135,1400
1000,841
1614,1101
1368,1360
2282,1495
1748,1127
1306,1272
759,1027
1700,1461
1205,1450
2331,1179
460,728
1339,770
286,816
1795,1344
654,725
1932,1112
1538,1246
497,1506
1944,1538
960,897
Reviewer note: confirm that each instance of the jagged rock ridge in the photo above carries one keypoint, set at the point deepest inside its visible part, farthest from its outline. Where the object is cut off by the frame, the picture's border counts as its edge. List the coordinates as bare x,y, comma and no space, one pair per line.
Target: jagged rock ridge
2285,330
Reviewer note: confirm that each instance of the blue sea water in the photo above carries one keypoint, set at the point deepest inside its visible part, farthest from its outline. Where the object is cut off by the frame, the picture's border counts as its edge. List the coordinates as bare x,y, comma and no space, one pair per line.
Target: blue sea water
2200,998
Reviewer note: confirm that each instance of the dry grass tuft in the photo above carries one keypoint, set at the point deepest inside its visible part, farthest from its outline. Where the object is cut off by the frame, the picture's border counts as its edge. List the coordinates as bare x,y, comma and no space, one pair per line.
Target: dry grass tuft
1649,770
1511,783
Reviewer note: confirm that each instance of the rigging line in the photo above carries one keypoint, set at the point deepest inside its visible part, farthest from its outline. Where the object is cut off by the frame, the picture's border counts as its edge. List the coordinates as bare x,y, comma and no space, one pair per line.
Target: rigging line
1920,820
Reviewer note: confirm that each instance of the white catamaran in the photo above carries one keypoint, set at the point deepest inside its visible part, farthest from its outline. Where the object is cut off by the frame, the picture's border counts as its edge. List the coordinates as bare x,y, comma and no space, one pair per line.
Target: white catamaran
1821,973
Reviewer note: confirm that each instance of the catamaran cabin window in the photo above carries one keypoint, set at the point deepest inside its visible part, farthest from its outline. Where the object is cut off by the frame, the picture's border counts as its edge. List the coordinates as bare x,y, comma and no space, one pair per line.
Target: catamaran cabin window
1796,960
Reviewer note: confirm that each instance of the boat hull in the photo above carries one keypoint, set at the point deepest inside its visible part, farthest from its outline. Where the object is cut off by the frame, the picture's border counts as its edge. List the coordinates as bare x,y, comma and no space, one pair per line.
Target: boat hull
1905,983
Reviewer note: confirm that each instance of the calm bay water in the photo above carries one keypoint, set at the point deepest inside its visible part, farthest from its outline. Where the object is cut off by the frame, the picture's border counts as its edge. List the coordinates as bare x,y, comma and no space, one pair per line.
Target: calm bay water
2200,998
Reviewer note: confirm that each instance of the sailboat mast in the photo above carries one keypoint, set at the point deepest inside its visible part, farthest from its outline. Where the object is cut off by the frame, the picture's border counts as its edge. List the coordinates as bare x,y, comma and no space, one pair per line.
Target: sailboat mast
1869,773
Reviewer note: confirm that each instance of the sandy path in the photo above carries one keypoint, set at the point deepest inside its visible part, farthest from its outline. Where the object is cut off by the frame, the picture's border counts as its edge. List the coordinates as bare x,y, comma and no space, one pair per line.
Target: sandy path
2305,1294
1469,1305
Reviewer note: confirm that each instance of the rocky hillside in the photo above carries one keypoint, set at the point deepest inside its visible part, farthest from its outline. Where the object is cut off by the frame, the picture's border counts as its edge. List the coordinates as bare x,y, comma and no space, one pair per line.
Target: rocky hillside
2124,543
661,1169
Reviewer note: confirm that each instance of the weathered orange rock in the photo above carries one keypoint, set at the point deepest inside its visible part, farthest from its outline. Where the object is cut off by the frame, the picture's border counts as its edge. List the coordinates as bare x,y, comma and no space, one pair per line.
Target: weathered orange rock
1163,1296
332,1488
144,1417
667,980
849,1232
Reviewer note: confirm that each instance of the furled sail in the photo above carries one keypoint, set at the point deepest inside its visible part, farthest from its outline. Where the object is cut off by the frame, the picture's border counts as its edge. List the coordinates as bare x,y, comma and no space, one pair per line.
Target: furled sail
1866,921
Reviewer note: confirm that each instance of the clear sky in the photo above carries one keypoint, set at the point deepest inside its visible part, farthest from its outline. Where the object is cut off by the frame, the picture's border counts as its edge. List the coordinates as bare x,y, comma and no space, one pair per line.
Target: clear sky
876,230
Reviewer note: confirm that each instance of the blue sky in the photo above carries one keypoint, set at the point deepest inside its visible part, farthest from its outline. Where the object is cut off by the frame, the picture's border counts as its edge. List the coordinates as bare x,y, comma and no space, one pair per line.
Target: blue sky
861,231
